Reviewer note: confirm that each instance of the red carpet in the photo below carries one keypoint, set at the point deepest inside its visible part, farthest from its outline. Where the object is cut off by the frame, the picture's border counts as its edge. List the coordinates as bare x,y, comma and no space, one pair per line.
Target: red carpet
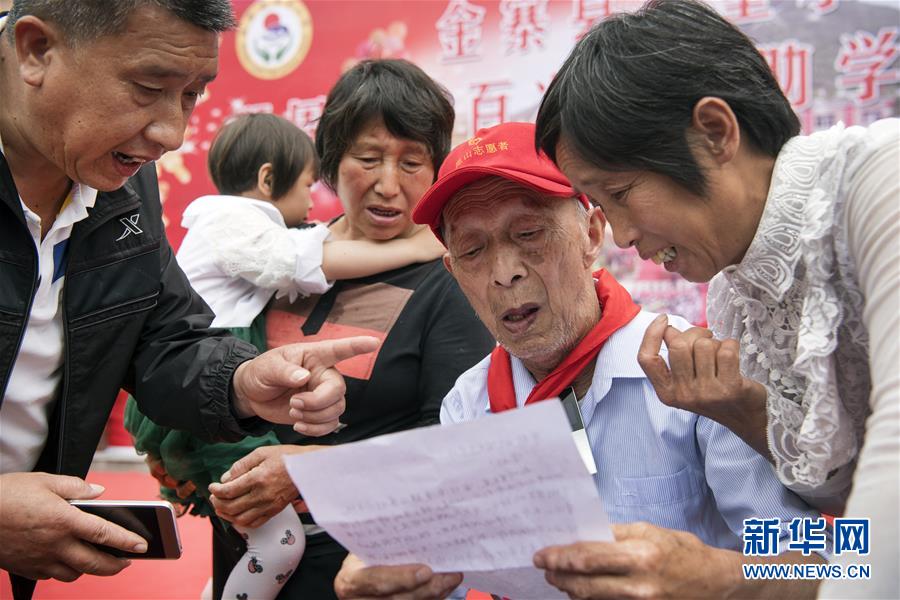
181,579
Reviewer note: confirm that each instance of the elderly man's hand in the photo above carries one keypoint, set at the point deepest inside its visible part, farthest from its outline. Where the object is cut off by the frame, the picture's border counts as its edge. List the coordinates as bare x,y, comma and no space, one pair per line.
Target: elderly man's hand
298,384
44,537
645,561
256,487
704,377
410,582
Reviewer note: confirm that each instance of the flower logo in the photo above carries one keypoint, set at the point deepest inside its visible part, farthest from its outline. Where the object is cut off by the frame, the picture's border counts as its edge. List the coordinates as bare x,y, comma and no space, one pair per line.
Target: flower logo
274,37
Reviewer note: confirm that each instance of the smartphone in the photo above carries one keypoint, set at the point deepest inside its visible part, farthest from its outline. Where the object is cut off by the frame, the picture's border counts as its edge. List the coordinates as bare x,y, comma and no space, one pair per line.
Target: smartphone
153,520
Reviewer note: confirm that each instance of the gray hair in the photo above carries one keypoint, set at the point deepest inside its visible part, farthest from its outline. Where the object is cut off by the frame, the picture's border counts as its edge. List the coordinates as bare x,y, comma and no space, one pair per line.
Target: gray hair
87,20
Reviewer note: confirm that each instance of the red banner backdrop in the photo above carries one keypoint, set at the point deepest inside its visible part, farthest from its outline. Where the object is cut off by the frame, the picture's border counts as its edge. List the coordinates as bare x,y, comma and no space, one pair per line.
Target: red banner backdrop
835,60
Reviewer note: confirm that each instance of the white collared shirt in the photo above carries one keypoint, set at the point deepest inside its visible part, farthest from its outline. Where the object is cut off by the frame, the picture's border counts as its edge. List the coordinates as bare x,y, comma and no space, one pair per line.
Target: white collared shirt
658,464
37,370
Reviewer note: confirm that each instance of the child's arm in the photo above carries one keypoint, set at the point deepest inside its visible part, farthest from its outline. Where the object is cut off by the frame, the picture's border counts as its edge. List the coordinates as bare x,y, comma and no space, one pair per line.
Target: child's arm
244,243
349,259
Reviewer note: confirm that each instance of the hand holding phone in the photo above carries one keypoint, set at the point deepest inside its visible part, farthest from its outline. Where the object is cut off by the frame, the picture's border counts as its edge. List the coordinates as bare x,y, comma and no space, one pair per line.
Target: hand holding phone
42,536
152,520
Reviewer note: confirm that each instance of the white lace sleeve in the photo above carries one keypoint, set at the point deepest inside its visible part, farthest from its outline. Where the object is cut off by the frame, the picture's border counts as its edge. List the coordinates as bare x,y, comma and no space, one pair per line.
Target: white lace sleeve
733,315
788,331
249,245
796,305
874,242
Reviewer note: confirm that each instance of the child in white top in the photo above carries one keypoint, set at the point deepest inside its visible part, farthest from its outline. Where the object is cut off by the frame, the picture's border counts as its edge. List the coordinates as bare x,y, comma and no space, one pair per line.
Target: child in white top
240,249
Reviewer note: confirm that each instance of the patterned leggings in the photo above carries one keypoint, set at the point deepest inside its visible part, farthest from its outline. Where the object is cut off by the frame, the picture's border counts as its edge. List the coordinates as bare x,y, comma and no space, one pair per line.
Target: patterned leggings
273,552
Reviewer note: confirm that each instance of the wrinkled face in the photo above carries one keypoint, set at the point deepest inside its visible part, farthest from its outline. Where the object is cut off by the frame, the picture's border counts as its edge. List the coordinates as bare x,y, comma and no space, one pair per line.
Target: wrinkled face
380,179
296,204
524,263
661,219
107,106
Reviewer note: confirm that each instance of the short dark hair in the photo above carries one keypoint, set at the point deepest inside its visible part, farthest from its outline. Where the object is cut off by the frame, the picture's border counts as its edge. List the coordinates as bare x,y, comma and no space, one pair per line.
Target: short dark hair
248,142
412,105
85,20
624,98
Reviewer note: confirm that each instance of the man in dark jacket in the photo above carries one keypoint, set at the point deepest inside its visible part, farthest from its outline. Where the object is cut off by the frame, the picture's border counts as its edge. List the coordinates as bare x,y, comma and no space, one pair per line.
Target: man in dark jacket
91,298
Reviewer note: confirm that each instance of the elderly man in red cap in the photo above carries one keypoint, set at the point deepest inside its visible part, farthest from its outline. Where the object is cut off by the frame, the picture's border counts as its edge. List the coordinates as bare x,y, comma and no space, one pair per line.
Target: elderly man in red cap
521,243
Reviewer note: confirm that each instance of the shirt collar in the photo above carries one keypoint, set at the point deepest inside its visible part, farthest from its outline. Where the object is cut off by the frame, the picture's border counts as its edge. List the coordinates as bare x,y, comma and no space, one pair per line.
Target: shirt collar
217,202
269,209
617,358
75,208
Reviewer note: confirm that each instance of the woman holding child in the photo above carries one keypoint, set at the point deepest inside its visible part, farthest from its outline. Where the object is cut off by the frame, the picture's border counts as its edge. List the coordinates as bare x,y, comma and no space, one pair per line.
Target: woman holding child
244,246
383,134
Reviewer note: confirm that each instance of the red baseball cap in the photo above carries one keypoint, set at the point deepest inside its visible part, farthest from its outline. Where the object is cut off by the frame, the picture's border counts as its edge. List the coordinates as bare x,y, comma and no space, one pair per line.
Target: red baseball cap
505,150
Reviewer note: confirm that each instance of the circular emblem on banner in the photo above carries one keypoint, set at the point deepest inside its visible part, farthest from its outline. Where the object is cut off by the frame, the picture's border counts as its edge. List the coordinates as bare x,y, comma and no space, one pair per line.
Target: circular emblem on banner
274,37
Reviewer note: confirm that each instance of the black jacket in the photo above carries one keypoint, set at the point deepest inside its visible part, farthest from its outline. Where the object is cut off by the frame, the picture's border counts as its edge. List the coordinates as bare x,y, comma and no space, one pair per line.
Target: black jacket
131,321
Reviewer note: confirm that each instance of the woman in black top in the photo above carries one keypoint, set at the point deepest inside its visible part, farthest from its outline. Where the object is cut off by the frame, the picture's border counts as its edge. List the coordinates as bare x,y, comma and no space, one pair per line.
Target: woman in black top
383,134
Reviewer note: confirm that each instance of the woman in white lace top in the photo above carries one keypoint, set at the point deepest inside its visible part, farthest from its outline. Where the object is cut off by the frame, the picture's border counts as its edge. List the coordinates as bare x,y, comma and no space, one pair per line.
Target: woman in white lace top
671,120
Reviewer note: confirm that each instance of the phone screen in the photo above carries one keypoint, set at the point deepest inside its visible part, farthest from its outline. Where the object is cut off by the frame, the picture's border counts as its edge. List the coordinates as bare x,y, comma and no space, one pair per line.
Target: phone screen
153,522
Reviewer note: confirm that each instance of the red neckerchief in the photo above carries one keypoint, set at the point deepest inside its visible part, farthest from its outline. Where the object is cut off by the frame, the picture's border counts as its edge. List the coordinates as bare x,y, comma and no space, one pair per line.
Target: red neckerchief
618,309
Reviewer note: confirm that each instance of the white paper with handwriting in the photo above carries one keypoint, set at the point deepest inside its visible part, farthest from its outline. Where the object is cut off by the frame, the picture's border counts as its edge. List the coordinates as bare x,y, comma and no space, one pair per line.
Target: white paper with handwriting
478,497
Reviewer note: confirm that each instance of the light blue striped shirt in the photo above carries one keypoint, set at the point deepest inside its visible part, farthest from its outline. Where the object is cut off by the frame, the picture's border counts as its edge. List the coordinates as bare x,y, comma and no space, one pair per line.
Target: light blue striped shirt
658,464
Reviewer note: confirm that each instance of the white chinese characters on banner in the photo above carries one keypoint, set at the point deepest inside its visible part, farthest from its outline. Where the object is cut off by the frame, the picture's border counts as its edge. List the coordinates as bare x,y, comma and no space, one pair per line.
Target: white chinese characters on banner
489,105
586,13
836,62
459,30
742,12
820,7
791,62
305,113
523,25
865,60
